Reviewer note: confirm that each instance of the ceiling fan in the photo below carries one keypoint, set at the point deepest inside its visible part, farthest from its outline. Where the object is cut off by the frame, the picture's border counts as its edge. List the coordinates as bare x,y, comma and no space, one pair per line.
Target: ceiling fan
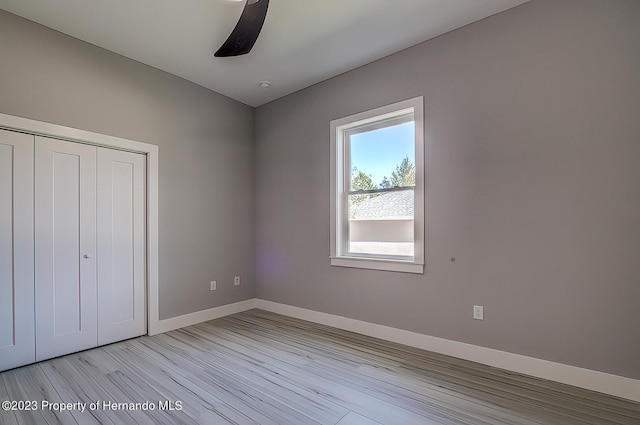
246,31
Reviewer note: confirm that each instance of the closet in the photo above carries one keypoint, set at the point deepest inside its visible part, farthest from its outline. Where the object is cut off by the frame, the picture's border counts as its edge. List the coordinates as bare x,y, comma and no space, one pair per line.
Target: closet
72,247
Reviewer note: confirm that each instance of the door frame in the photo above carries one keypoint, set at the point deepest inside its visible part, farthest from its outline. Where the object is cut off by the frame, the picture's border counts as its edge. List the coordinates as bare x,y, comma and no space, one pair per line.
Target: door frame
39,128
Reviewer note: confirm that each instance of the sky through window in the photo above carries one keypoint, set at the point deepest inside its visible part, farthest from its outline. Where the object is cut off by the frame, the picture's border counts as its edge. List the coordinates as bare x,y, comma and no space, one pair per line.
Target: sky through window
378,152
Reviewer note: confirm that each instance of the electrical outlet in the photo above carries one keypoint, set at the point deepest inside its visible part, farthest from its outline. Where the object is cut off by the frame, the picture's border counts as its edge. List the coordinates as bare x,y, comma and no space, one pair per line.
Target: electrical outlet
236,281
213,285
478,312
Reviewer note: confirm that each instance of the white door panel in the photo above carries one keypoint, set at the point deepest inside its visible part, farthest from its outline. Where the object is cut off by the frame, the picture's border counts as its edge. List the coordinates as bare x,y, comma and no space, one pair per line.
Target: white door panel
65,273
121,245
17,335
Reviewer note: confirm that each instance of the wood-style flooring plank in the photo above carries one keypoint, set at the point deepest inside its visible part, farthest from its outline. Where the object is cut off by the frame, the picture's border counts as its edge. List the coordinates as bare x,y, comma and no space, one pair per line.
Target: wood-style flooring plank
293,397
355,419
262,368
65,387
567,404
7,417
31,384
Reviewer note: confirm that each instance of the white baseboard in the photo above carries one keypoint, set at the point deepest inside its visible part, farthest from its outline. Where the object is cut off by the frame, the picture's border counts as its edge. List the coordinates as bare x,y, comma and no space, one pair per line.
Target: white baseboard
178,322
584,378
579,377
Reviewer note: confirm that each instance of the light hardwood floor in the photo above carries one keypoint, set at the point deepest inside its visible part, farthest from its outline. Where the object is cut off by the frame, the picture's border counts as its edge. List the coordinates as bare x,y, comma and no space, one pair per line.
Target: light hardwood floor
262,368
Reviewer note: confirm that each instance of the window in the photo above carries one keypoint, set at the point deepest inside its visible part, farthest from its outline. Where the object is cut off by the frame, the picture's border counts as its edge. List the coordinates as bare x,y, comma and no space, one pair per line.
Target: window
377,188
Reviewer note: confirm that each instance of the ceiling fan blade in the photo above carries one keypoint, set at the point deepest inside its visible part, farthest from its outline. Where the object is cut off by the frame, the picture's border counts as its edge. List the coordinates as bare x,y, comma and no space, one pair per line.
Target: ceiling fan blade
246,31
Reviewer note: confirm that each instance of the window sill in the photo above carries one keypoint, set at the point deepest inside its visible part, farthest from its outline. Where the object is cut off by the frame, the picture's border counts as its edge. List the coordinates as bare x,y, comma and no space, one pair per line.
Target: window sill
375,264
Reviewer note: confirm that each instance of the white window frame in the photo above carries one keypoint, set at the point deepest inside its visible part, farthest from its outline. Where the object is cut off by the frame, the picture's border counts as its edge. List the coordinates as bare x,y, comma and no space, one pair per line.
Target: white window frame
340,172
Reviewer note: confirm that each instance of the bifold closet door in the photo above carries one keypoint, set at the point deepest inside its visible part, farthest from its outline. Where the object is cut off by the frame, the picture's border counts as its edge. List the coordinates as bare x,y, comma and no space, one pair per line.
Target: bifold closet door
65,247
121,245
17,336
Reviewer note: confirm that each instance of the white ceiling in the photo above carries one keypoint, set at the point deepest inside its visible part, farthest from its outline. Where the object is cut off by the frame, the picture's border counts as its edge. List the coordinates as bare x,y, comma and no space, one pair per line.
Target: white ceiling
302,42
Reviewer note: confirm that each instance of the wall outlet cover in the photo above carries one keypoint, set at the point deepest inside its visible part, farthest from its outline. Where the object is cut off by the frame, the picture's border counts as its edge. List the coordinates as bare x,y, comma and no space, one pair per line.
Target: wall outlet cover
478,312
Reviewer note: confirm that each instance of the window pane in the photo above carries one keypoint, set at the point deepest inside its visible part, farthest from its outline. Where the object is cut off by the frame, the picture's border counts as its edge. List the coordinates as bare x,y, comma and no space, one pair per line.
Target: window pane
383,157
381,223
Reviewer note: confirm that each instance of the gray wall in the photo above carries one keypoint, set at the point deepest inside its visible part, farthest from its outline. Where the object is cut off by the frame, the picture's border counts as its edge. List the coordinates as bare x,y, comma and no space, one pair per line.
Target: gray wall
205,147
532,183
